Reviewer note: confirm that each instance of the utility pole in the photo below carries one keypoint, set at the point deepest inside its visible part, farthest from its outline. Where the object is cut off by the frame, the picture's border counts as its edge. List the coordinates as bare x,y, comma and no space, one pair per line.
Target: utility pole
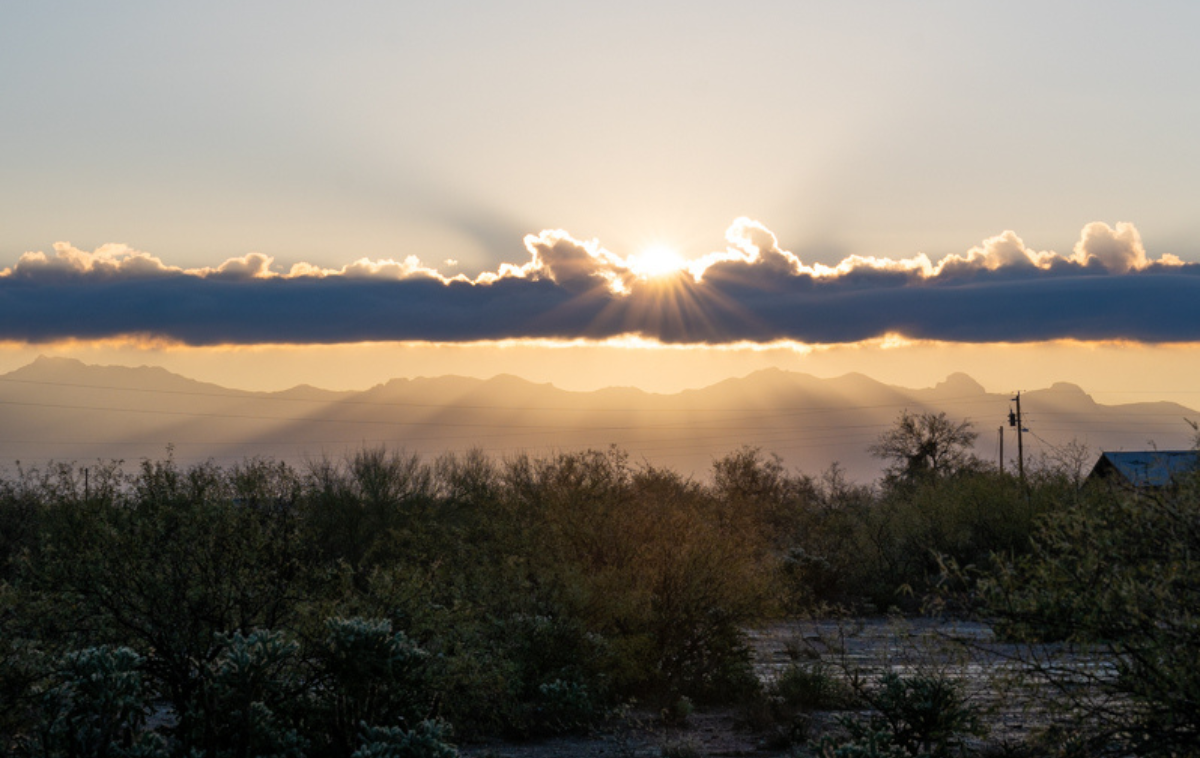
1001,431
1014,419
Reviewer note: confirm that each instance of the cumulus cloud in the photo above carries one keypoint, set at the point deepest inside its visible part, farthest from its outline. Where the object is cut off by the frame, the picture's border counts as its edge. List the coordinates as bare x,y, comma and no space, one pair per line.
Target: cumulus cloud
1117,250
752,290
1004,251
113,261
574,265
250,266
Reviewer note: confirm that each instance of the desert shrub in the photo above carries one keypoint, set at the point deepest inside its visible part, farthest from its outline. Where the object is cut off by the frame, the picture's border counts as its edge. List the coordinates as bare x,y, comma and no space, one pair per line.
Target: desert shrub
165,566
472,678
251,701
925,713
427,739
564,706
95,706
369,509
875,550
547,648
367,674
964,518
699,649
467,485
824,564
754,493
21,516
642,559
681,747
811,687
921,715
781,712
522,597
555,664
860,740
872,549
1117,575
24,669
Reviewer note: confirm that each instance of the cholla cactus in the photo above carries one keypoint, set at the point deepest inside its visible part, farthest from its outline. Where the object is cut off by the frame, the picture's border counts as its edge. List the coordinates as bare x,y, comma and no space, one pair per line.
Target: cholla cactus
97,708
372,676
251,687
426,740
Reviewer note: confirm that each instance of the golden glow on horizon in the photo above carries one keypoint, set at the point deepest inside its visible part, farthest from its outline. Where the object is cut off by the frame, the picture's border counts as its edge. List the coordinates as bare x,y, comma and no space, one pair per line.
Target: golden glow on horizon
1111,371
892,340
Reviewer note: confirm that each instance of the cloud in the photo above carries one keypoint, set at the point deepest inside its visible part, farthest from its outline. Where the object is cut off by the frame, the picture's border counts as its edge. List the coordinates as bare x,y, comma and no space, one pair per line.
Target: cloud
250,266
575,266
106,263
751,291
1117,250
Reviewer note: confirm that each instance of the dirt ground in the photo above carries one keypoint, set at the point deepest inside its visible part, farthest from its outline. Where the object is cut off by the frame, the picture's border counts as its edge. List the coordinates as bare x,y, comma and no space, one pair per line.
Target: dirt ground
965,652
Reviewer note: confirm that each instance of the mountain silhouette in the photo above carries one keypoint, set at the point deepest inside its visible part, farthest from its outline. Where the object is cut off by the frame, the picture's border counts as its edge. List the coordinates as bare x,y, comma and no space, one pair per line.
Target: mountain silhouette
63,409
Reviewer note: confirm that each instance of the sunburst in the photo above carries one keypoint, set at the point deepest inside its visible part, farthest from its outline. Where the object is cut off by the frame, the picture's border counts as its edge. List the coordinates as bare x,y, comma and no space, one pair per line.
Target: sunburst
656,262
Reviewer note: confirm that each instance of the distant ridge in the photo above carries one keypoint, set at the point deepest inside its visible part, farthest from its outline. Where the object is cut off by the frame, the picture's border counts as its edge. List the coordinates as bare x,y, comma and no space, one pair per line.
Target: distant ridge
64,409
959,383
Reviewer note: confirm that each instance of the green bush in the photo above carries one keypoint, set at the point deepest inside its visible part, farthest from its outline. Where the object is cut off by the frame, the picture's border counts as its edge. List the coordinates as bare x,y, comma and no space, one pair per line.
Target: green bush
1116,575
861,741
96,708
925,714
564,706
681,747
522,597
368,674
920,716
811,688
646,561
251,701
427,739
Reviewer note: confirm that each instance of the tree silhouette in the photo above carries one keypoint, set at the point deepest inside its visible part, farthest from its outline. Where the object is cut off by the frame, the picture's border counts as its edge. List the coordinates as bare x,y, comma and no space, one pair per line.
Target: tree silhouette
925,446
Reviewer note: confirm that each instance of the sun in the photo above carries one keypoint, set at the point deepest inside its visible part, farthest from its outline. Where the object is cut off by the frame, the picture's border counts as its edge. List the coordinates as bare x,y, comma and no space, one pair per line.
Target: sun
657,261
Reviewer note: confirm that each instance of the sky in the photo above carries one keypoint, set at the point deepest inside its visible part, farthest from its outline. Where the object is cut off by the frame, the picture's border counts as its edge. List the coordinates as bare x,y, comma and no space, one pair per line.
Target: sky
658,194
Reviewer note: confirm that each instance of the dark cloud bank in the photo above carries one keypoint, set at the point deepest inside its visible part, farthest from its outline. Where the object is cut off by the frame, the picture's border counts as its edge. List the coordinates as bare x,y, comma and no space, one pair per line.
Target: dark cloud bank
753,291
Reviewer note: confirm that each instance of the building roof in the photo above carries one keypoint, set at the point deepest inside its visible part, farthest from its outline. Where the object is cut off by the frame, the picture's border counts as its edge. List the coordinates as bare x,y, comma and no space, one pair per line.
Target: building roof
1147,468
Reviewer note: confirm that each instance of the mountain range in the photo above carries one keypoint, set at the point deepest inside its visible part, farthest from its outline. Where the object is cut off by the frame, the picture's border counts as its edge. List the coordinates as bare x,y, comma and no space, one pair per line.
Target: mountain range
62,409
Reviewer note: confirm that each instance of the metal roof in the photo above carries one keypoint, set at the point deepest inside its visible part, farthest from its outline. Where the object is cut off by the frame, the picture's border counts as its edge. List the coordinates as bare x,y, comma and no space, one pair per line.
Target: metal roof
1147,468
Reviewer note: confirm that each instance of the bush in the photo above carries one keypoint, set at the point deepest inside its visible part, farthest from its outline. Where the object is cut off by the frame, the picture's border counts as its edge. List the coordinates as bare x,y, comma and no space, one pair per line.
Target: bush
925,714
919,716
524,597
875,550
425,740
1118,575
682,747
562,707
369,675
861,741
96,707
251,701
811,688
647,562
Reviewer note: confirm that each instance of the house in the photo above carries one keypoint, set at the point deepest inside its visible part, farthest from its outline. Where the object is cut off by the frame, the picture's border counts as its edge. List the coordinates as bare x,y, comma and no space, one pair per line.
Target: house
1145,469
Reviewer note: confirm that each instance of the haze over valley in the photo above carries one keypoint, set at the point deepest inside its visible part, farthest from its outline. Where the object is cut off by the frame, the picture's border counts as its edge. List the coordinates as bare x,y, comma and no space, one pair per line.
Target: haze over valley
65,410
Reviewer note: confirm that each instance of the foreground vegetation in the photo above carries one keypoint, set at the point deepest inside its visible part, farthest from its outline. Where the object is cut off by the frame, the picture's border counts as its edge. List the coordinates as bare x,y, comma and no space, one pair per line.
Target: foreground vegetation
387,606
